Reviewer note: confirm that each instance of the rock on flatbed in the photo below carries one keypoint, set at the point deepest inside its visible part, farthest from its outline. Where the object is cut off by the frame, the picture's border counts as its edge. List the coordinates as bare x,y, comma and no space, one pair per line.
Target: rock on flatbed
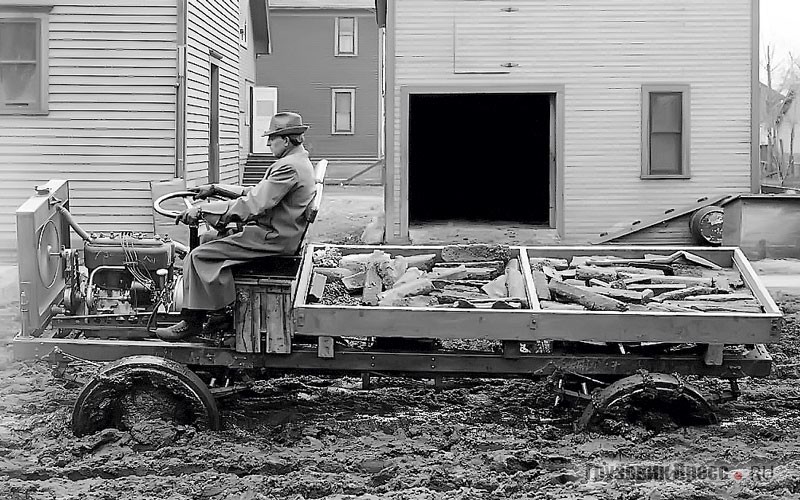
475,253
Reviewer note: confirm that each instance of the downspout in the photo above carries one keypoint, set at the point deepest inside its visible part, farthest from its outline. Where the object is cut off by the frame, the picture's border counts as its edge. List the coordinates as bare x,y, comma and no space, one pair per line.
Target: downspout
180,92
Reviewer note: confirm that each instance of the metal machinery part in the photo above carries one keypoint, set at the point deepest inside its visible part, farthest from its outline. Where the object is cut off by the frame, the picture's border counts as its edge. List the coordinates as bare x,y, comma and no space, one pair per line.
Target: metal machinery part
135,388
706,225
48,254
126,273
669,389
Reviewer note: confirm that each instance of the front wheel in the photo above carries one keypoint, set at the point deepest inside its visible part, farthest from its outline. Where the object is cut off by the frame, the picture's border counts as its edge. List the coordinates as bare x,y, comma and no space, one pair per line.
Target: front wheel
139,388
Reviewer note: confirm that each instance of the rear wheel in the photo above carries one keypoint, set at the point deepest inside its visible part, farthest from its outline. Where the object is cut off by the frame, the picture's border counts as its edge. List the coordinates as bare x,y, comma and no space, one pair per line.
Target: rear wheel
139,388
637,398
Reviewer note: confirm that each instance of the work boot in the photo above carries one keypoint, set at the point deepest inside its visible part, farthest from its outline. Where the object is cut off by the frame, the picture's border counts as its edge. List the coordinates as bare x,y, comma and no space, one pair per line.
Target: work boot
192,324
218,322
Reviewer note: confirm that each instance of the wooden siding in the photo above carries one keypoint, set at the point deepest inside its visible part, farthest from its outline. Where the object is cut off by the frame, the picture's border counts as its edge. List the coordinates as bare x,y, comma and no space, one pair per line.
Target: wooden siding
111,125
304,70
247,76
602,51
212,25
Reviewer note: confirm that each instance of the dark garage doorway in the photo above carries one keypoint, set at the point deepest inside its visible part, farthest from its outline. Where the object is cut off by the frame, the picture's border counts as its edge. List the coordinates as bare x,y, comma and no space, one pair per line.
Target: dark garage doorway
480,157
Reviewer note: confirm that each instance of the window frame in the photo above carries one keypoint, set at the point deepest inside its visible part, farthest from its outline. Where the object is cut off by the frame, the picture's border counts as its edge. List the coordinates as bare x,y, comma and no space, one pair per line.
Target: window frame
336,37
684,90
352,92
40,14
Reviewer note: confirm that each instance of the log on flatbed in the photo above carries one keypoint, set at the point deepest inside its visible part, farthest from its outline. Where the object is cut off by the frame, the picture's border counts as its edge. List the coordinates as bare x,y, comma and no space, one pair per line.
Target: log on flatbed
354,282
372,284
723,297
450,296
657,288
564,306
424,262
686,292
470,273
498,265
540,284
686,280
594,272
419,286
411,274
538,263
448,273
622,295
637,270
590,300
515,283
333,273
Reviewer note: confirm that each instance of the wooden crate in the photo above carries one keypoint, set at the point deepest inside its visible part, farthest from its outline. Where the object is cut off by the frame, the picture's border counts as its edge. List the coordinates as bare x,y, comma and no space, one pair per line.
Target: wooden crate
263,315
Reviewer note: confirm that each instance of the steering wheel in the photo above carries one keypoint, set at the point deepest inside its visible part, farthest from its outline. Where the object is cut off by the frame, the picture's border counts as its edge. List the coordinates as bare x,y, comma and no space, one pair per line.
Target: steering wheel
186,196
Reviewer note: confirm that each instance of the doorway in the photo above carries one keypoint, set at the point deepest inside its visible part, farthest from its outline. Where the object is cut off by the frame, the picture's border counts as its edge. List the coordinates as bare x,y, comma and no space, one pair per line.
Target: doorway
484,157
213,124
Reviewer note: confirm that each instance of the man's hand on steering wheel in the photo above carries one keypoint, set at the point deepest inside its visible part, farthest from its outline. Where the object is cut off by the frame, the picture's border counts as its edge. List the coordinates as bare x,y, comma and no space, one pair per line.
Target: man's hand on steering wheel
191,216
203,192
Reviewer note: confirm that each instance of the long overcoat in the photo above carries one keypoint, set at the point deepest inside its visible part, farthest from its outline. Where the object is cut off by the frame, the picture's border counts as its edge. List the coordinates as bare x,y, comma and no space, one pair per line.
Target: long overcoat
275,209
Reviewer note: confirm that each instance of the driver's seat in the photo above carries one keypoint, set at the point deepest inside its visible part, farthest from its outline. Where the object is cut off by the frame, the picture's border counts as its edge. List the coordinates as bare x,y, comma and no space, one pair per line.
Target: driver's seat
288,265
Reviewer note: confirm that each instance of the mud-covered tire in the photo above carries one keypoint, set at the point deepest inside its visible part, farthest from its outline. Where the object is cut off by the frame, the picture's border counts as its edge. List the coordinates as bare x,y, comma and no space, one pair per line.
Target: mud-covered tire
657,386
173,391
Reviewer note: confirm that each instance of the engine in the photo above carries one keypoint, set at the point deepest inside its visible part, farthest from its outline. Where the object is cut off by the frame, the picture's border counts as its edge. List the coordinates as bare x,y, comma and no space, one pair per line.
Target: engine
125,273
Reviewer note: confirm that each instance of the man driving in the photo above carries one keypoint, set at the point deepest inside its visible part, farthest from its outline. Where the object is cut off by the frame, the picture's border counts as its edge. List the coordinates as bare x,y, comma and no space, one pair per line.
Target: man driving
273,214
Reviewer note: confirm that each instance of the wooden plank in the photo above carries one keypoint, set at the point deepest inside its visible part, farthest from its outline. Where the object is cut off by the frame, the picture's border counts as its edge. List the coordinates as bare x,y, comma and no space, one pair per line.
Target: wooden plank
713,354
258,314
245,339
637,226
305,276
516,324
372,284
750,279
278,339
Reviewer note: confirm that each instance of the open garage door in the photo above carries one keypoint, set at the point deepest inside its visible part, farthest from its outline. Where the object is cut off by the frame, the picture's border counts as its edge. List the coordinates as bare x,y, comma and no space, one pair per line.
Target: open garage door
482,157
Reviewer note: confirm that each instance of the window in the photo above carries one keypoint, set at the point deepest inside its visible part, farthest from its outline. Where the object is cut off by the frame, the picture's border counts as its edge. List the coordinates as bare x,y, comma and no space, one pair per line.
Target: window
23,60
346,37
665,131
343,111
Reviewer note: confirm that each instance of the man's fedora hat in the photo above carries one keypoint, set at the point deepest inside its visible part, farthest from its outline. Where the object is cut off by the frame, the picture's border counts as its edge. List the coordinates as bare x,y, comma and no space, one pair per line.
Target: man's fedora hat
285,124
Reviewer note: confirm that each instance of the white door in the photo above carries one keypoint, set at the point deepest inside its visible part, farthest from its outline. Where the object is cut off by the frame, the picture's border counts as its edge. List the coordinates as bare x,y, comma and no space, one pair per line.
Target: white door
264,105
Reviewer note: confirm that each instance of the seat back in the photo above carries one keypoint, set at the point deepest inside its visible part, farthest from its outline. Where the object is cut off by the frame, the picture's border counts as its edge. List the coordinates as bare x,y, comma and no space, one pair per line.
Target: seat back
319,178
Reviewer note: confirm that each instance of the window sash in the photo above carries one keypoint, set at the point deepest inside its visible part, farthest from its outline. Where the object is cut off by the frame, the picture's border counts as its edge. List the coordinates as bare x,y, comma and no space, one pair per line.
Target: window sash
343,111
23,70
346,36
665,128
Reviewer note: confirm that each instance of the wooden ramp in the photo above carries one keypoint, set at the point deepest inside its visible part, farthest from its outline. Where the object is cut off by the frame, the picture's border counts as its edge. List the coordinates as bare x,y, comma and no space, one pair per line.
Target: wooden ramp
671,228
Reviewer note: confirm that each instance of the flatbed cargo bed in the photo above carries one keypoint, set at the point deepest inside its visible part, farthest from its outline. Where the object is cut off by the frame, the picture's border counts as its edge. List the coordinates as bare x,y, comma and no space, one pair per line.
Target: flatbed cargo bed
535,324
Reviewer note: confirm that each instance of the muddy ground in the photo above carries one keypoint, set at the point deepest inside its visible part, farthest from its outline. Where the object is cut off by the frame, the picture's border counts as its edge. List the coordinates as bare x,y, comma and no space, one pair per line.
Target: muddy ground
311,437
